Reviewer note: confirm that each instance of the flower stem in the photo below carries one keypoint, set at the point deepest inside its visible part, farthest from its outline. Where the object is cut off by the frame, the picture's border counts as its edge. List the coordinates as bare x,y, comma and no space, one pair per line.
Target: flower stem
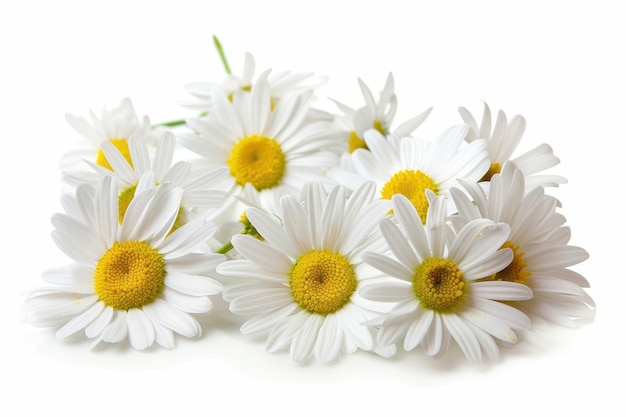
224,249
220,51
172,123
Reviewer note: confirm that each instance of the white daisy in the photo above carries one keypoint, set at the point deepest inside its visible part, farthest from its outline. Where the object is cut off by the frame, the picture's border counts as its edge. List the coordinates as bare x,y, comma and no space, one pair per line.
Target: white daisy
301,282
539,241
200,189
280,84
275,150
503,142
409,166
375,114
114,125
131,280
433,281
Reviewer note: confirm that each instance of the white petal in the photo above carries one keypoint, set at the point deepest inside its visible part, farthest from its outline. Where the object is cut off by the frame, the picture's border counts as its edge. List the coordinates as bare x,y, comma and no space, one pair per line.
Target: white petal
197,285
140,329
100,323
304,339
81,321
501,290
329,339
182,323
464,337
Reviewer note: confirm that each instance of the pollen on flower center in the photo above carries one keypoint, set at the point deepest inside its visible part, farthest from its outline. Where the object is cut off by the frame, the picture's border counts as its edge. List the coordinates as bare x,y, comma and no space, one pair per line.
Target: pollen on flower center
412,184
322,282
494,168
516,271
129,275
122,146
257,160
439,284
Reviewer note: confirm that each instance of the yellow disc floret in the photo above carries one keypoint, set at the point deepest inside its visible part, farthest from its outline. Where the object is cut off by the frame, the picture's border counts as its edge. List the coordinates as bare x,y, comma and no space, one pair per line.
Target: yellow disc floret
257,160
129,275
322,282
412,184
439,284
516,271
122,146
494,169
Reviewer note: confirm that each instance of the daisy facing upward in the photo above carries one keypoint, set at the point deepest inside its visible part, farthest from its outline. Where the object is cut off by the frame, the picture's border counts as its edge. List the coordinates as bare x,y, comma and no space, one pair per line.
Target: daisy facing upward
433,281
300,284
132,280
276,149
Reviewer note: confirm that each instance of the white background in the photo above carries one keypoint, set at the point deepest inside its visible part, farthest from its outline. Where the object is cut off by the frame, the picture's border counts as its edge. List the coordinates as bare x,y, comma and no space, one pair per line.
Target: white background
559,65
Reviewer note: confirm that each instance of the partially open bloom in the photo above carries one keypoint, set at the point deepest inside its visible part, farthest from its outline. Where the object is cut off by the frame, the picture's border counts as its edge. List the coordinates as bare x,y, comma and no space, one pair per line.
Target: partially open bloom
301,282
131,280
433,279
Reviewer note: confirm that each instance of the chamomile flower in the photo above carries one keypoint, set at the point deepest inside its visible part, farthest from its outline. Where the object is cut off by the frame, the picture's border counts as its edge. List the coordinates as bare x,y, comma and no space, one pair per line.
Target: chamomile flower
274,150
131,280
200,187
375,114
433,279
539,241
301,282
409,166
114,125
280,84
503,142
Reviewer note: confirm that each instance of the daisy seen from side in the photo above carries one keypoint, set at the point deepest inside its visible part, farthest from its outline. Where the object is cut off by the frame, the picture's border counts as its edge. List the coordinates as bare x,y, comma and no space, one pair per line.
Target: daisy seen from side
432,278
503,142
539,240
201,188
300,283
375,114
114,125
129,281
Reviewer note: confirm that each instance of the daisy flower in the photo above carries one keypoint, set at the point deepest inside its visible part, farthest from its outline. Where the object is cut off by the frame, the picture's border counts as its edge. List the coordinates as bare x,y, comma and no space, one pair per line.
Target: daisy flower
280,84
503,142
301,282
409,166
131,280
199,188
274,150
433,281
375,114
114,125
539,242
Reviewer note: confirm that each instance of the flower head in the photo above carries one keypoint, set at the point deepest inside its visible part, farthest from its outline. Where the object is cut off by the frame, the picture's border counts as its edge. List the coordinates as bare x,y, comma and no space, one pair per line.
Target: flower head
503,142
433,281
130,280
301,282
114,125
539,242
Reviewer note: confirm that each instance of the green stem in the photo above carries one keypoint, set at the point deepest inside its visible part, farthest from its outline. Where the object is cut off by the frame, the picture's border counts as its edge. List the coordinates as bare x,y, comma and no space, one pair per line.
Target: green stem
224,249
220,51
172,123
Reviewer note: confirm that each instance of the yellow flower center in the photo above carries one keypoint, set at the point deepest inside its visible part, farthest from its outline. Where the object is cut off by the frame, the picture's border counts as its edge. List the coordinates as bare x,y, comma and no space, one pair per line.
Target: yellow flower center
355,142
412,184
494,169
127,195
322,282
129,275
122,146
516,271
439,284
257,160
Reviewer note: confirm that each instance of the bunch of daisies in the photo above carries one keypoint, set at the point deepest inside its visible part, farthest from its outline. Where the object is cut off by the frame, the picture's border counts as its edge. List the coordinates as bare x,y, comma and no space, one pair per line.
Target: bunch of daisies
330,232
